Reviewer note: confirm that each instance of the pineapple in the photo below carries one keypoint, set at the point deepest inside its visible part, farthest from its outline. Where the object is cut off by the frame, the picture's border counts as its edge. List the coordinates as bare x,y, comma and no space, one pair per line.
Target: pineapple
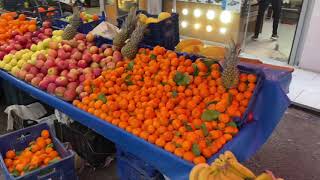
126,30
71,30
131,48
230,74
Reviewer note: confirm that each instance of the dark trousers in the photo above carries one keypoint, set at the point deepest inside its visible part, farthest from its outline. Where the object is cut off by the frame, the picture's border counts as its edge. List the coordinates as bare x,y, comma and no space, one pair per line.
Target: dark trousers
276,7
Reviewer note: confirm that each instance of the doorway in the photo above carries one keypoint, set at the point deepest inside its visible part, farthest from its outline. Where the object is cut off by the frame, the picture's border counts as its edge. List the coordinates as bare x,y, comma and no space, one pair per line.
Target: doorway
265,47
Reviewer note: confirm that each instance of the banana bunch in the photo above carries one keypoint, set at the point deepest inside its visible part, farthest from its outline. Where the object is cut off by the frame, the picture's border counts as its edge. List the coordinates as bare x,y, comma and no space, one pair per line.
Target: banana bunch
226,167
267,176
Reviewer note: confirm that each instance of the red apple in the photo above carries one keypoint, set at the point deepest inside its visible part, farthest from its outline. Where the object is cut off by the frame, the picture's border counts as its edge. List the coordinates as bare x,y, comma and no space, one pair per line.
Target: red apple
43,84
51,88
48,31
69,95
82,78
108,52
52,53
53,71
46,24
81,47
96,72
53,45
51,78
117,56
87,57
82,63
77,55
79,89
29,77
72,85
90,37
22,74
39,63
64,73
72,76
44,70
67,48
59,91
83,94
35,81
34,70
27,67
49,63
87,70
40,75
79,36
96,58
62,54
62,65
93,50
94,65
61,81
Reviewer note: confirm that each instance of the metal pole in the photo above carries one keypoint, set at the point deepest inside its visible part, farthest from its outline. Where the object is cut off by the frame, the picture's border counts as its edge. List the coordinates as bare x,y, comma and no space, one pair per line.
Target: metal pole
174,6
246,28
101,2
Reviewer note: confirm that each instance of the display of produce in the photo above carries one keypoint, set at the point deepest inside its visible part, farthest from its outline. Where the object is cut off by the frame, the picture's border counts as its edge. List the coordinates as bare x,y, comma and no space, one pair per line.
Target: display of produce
19,33
170,101
197,47
226,167
147,20
39,153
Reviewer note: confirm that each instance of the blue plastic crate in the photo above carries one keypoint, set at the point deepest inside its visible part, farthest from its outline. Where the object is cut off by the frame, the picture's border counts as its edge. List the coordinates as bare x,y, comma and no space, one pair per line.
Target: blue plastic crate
130,167
164,33
18,140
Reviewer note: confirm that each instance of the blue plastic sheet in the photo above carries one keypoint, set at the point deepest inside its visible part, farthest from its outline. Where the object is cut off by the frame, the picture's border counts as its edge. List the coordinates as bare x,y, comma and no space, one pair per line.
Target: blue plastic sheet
270,105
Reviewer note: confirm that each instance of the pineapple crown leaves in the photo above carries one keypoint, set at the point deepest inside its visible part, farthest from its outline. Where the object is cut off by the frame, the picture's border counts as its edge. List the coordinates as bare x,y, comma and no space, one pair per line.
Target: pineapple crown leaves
232,53
127,28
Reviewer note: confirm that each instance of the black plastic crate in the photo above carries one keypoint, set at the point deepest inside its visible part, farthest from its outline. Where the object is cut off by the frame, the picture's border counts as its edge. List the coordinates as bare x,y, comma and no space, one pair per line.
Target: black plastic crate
130,167
92,147
164,33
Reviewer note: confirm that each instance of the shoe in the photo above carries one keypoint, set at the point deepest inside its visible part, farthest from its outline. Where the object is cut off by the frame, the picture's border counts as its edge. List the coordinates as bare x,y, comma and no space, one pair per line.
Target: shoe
274,37
254,38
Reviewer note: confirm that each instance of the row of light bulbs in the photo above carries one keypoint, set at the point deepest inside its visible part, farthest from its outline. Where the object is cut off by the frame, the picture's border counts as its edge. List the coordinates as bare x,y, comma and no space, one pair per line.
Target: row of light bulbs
225,16
197,26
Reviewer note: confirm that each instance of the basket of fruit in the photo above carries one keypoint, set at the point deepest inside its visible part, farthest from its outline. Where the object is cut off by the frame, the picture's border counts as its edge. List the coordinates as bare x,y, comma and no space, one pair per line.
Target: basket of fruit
32,153
163,29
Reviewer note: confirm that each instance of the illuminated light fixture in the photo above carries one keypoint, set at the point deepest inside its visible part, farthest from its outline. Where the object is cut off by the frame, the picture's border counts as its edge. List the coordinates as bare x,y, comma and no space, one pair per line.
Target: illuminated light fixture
223,30
211,14
185,11
225,17
209,28
184,24
197,26
197,13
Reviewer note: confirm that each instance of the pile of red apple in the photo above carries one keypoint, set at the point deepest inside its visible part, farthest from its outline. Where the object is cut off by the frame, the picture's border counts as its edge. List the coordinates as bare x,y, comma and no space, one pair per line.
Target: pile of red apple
24,41
64,69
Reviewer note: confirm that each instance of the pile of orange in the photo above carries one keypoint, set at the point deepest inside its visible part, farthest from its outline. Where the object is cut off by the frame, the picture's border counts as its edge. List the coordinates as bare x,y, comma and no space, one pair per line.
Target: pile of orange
12,22
40,153
170,101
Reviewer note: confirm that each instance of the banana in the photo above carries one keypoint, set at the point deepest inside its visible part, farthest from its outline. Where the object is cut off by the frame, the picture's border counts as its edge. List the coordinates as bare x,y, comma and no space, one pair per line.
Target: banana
247,173
264,176
196,170
231,175
222,176
230,155
205,173
222,157
218,162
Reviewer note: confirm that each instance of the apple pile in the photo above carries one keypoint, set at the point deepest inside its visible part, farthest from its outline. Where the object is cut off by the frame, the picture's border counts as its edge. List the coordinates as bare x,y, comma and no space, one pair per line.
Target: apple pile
25,41
13,63
62,68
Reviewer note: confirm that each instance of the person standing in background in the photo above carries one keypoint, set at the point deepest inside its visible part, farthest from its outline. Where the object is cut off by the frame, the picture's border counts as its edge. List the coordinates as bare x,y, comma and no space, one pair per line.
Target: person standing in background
276,8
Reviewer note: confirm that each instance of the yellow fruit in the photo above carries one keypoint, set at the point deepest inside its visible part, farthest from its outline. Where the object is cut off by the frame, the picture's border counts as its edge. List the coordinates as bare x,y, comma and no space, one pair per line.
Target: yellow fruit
152,20
193,49
163,15
143,18
187,42
214,52
194,174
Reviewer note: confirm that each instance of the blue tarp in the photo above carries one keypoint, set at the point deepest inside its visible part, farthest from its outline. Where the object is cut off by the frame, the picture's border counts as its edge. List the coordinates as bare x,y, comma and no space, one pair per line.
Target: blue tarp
270,105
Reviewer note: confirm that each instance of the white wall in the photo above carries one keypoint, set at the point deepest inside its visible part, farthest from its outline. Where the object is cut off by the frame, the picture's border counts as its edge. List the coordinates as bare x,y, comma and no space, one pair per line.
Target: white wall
310,54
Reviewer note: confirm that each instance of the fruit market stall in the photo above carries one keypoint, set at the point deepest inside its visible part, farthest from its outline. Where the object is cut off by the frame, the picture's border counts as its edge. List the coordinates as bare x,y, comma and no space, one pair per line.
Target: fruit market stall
168,109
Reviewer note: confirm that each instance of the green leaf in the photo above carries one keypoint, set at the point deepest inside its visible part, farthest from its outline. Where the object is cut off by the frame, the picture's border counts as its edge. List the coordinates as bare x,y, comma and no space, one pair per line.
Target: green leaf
174,94
54,160
196,69
50,145
212,102
187,126
208,142
197,127
15,173
208,62
195,149
18,153
130,66
210,115
163,83
177,145
153,57
177,133
26,168
204,129
128,81
181,79
233,124
102,97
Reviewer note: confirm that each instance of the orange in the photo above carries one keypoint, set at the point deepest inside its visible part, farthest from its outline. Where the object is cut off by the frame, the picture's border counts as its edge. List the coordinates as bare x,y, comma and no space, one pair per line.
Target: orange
199,160
252,78
189,156
45,134
10,154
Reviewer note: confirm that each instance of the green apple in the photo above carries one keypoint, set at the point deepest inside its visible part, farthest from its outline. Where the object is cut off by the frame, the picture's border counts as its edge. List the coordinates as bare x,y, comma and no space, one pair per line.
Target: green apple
13,62
2,64
33,48
19,54
15,70
46,43
40,46
21,63
7,67
7,58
